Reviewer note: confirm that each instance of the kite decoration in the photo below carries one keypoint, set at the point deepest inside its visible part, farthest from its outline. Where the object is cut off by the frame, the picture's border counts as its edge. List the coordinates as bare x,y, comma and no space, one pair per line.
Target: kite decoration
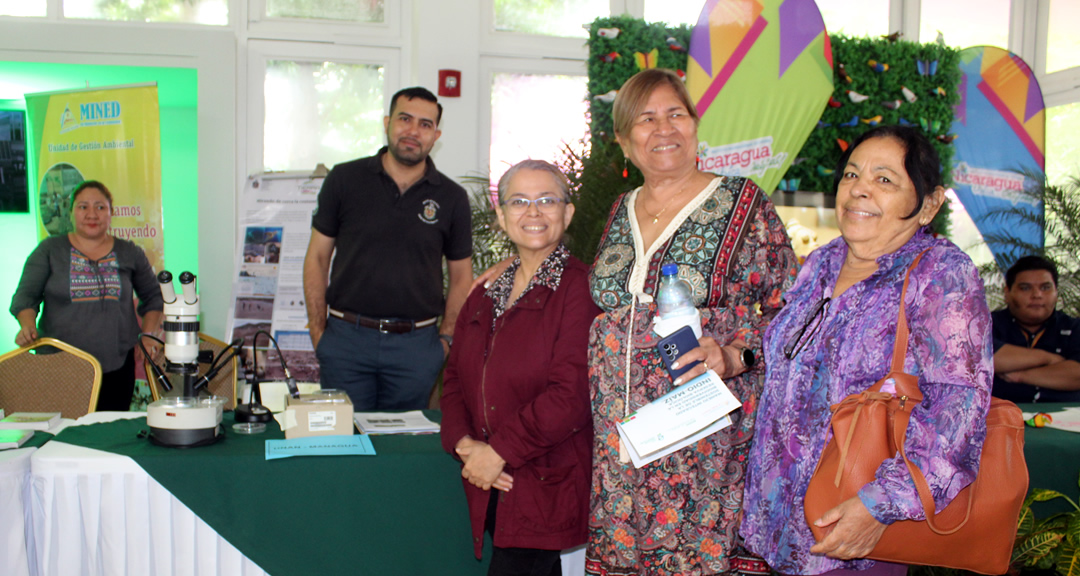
760,72
1001,102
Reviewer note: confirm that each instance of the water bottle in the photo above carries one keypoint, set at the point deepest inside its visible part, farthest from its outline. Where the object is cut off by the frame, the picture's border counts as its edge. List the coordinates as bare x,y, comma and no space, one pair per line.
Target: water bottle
675,303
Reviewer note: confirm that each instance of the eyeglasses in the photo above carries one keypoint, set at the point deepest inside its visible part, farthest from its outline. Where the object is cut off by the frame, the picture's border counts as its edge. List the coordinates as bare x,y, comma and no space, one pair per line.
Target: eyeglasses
797,342
547,204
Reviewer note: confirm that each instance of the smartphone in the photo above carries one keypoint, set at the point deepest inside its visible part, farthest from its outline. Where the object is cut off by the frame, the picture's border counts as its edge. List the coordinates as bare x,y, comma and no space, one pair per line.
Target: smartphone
674,345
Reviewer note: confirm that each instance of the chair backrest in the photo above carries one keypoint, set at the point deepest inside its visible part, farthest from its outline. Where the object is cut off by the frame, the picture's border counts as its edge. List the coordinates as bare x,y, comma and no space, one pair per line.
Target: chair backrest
224,384
59,378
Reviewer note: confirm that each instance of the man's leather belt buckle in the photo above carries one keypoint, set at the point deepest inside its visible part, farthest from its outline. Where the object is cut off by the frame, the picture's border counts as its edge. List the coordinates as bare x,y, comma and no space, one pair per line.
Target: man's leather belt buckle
382,325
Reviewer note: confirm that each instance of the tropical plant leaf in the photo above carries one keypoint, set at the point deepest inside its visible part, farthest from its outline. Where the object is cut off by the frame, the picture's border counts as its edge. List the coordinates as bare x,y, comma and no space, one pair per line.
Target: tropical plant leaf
1026,523
1068,563
1043,495
1032,549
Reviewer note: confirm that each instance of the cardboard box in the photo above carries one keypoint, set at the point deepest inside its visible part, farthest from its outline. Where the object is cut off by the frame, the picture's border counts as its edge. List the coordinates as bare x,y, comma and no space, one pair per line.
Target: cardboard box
325,413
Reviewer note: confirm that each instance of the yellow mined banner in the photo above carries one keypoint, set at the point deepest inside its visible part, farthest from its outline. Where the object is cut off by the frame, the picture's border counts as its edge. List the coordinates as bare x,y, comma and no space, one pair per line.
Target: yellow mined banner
107,134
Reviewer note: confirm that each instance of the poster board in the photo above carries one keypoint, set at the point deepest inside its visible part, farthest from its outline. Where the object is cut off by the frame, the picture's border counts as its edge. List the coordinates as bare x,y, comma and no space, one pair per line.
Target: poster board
268,290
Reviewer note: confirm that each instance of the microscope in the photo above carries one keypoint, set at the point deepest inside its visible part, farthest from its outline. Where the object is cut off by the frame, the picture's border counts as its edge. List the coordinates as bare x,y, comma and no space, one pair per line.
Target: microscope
187,420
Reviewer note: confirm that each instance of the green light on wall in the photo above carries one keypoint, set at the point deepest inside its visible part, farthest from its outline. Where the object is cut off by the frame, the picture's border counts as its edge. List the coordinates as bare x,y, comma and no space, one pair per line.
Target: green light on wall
177,101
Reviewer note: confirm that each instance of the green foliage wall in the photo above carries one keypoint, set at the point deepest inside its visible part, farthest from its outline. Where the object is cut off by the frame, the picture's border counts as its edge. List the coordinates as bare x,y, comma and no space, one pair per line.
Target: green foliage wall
596,171
821,152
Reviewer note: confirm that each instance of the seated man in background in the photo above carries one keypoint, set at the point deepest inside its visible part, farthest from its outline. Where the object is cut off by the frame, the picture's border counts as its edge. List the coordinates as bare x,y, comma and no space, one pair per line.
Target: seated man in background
1036,348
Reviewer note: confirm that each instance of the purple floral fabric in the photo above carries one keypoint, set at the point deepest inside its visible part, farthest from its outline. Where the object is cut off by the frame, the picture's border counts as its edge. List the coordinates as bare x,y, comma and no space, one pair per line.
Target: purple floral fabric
844,350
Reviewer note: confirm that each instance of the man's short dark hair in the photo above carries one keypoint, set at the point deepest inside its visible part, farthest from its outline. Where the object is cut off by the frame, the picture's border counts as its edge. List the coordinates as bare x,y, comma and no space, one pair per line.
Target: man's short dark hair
1030,263
417,92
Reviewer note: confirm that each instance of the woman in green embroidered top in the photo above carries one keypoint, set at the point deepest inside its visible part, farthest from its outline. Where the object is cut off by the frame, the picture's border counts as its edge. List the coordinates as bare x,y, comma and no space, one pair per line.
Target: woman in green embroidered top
85,282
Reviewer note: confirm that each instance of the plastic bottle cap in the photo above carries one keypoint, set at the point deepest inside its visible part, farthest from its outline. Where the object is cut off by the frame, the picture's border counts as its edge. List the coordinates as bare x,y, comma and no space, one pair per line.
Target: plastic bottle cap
669,269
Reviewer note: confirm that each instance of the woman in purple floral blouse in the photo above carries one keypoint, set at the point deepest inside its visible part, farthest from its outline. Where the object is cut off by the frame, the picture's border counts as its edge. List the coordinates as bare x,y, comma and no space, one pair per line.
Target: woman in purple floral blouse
835,337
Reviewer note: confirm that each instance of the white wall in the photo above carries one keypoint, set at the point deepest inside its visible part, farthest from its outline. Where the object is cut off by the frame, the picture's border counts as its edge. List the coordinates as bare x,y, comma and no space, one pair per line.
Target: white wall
213,53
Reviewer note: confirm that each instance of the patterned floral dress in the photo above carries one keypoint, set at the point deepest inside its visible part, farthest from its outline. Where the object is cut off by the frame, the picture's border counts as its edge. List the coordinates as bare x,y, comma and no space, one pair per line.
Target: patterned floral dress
678,515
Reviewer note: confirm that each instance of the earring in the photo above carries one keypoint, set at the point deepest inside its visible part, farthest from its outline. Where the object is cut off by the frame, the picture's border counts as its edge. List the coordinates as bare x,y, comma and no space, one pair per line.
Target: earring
625,172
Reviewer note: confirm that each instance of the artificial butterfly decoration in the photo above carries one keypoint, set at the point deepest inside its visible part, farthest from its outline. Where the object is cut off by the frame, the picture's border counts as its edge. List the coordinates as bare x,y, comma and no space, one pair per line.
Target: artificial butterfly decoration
946,138
612,33
939,91
788,185
610,57
834,103
873,121
823,171
905,122
892,105
843,144
926,67
646,61
853,122
674,44
894,36
908,95
844,74
878,66
821,124
855,96
930,126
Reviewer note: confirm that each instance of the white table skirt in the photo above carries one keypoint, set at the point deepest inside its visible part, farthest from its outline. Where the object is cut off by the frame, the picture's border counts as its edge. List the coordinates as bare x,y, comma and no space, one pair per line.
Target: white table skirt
95,513
16,546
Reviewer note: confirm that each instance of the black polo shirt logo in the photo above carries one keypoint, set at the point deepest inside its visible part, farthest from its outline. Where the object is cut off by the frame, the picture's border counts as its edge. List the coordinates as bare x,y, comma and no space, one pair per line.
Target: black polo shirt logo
430,213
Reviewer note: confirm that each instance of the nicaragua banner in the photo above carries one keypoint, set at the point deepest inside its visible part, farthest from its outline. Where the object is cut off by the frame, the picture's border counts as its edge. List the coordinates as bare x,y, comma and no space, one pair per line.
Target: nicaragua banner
1000,127
760,72
107,134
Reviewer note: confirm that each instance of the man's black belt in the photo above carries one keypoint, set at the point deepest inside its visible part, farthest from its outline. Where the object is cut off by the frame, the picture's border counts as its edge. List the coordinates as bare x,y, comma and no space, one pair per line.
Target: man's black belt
389,326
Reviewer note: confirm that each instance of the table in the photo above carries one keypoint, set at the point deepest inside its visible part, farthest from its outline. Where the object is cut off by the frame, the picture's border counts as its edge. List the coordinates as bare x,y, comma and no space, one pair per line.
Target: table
143,509
1053,461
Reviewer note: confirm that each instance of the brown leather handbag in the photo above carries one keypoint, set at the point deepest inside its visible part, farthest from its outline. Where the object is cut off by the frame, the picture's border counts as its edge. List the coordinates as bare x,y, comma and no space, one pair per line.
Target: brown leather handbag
977,529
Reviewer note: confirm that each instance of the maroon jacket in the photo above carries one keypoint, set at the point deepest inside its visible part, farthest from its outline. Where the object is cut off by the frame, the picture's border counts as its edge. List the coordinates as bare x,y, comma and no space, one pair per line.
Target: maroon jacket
530,401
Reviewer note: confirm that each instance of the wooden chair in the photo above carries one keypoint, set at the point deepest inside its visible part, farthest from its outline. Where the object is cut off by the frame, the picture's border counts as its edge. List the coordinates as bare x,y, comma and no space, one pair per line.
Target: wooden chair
224,384
61,379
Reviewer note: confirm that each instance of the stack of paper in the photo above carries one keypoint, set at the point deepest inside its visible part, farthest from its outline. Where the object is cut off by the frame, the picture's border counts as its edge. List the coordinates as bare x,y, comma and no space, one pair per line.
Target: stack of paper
14,438
30,421
394,423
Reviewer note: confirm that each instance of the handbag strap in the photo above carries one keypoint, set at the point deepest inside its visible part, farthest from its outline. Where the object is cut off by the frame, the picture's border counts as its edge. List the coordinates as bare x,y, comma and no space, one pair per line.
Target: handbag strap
900,424
900,344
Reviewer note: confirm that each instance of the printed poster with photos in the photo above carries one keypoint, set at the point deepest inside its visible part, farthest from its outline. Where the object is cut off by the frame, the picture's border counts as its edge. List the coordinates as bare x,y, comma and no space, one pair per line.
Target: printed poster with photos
268,291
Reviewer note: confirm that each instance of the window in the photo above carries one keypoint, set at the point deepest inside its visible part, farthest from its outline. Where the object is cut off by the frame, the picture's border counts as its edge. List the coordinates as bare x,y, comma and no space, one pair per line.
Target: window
548,17
534,116
966,23
340,10
855,17
673,12
321,112
1063,42
214,12
1063,143
23,7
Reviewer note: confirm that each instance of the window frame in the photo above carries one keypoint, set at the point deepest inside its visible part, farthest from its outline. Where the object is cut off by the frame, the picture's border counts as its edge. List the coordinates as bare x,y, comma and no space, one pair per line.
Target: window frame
491,65
261,51
387,33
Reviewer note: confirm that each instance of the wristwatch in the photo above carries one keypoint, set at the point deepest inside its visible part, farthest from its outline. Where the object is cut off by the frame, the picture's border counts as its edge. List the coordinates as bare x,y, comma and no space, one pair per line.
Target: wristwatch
450,341
747,356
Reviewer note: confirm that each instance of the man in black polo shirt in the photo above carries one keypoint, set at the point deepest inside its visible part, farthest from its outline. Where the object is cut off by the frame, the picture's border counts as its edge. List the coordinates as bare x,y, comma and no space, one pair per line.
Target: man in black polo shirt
388,220
1036,348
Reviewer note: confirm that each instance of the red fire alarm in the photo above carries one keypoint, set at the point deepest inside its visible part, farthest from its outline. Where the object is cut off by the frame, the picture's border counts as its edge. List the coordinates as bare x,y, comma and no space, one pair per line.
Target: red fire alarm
450,83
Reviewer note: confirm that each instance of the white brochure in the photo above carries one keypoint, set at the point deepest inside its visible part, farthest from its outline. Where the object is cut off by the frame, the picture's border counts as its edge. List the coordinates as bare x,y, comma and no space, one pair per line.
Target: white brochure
677,419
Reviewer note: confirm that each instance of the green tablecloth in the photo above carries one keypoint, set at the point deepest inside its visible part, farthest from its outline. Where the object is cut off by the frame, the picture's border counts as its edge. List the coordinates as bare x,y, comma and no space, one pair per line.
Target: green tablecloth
1053,461
400,512
38,439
